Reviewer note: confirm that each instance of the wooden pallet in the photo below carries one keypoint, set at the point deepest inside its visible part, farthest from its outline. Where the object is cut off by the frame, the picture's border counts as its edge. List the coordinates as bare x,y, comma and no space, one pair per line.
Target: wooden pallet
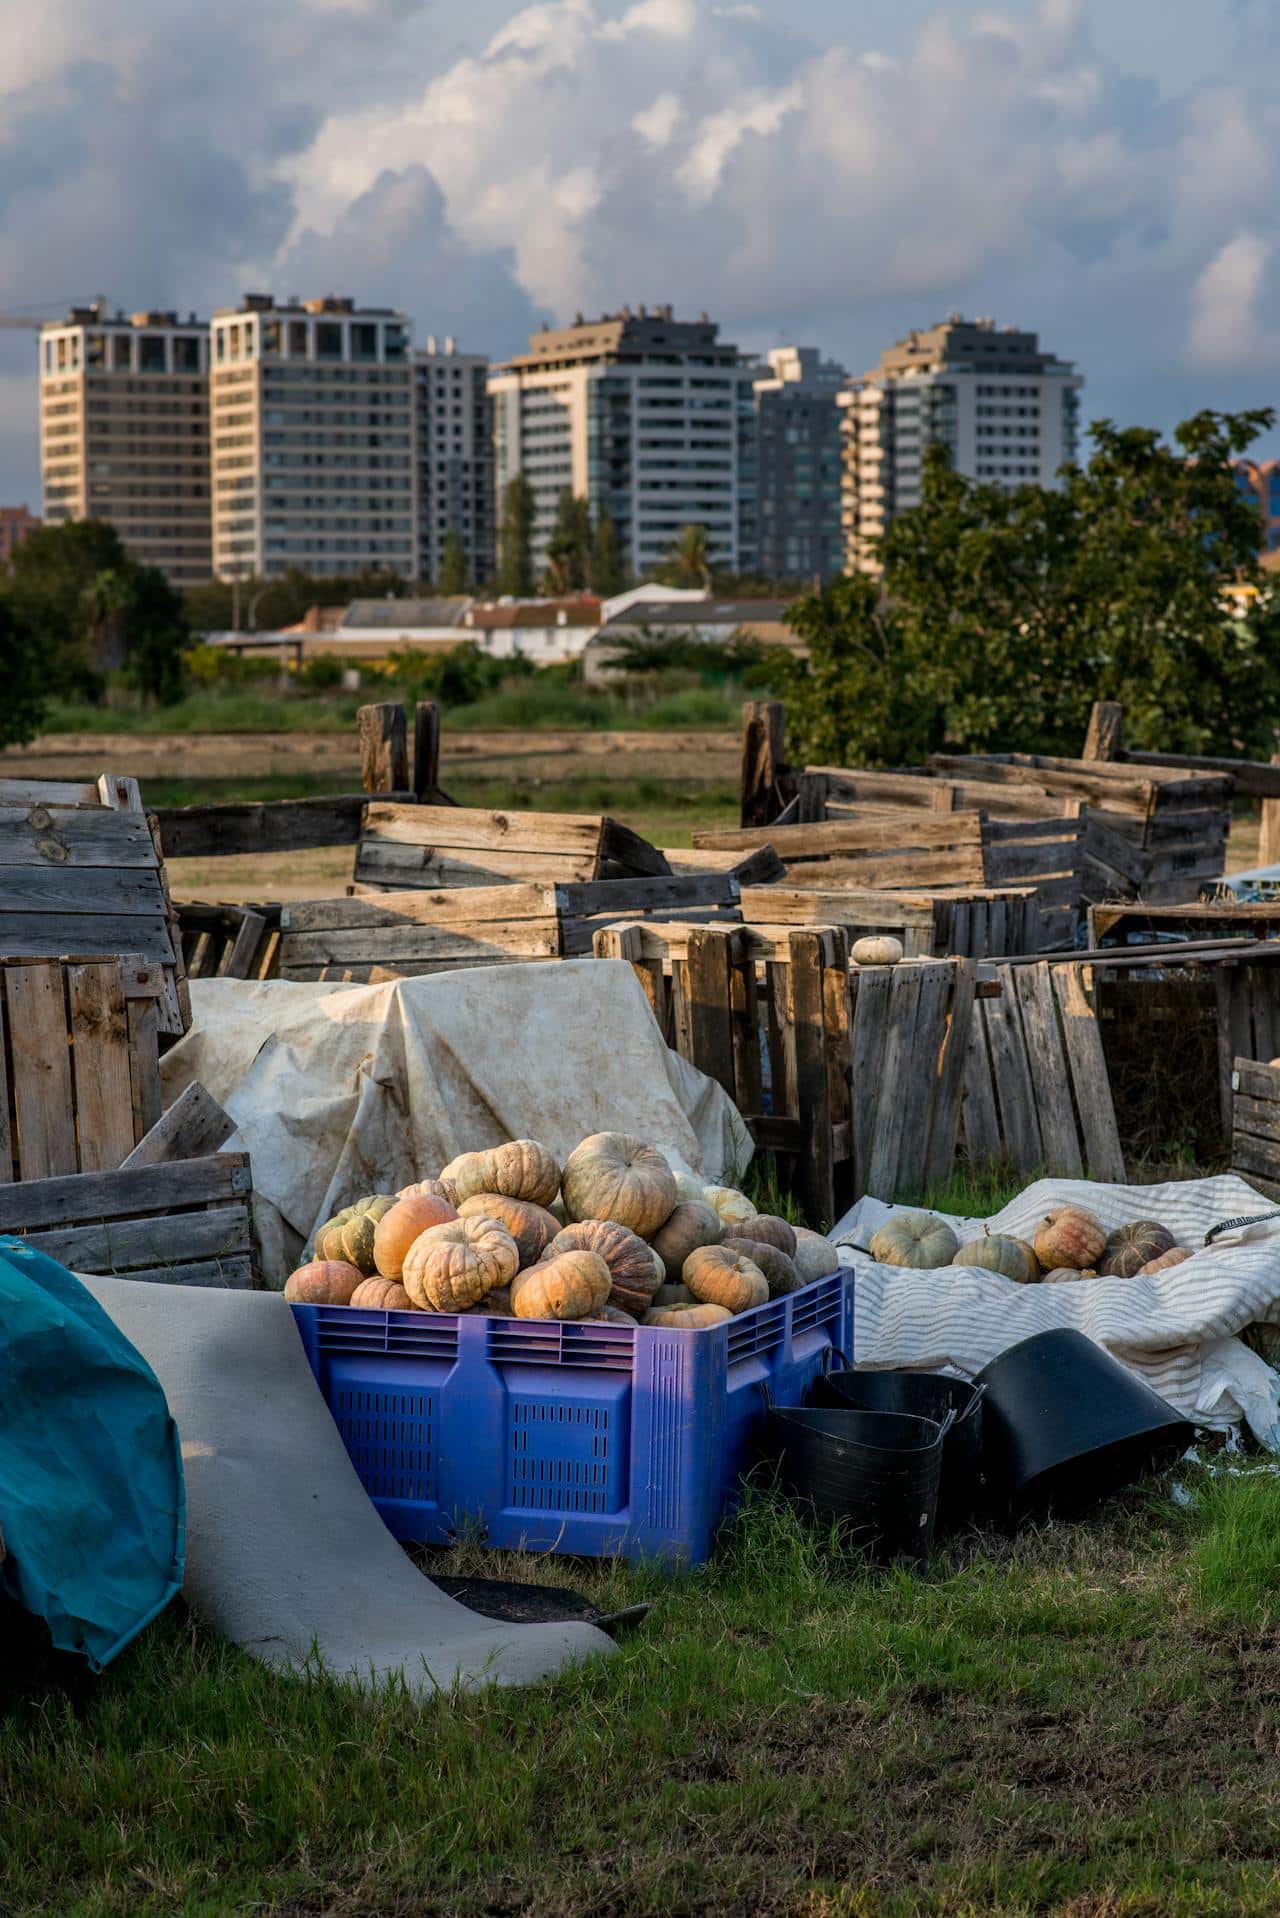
1248,1001
79,1063
830,792
81,872
230,942
185,1223
973,924
1255,1123
417,847
1224,918
1036,1091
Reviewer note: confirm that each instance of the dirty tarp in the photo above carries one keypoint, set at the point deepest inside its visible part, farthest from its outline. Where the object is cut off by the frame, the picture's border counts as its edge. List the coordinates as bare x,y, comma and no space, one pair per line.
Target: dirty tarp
91,1491
342,1090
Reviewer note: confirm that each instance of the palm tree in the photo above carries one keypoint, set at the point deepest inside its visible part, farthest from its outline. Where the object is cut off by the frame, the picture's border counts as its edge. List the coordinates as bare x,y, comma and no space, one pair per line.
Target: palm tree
691,555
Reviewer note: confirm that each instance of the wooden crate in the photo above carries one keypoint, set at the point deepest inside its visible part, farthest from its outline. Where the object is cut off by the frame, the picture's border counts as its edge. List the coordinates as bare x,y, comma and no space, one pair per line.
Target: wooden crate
229,942
1036,1091
1223,918
79,1063
973,923
415,847
831,792
81,872
185,1223
1255,1123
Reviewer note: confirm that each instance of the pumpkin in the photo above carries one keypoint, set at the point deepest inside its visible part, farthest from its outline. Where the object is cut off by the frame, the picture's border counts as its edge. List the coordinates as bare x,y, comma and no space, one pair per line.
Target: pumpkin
398,1227
328,1237
1069,1236
1174,1256
531,1226
693,1223
613,1315
1132,1246
878,949
717,1276
613,1176
766,1229
451,1266
496,1305
520,1169
572,1286
635,1269
686,1318
688,1187
732,1208
673,1294
323,1282
357,1235
382,1295
814,1257
1065,1275
780,1274
431,1189
1011,1258
918,1239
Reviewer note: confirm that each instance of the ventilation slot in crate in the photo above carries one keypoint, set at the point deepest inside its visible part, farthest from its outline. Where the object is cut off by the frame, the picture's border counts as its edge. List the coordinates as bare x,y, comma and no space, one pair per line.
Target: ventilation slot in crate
565,1456
389,1436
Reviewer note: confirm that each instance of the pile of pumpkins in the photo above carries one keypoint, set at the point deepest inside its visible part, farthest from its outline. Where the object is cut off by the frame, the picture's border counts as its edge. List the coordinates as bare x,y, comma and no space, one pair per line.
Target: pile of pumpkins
614,1235
1069,1245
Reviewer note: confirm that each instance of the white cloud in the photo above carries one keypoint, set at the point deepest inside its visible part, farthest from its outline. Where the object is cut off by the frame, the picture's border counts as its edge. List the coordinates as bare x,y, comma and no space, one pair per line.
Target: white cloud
657,123
1229,323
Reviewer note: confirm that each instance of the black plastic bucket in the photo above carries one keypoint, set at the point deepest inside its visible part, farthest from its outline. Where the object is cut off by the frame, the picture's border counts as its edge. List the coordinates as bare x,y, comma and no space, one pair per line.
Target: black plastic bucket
1065,1425
927,1395
874,1474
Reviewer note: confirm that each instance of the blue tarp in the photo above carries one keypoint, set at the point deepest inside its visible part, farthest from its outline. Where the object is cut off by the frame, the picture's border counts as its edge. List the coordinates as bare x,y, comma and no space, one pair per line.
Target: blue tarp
92,1509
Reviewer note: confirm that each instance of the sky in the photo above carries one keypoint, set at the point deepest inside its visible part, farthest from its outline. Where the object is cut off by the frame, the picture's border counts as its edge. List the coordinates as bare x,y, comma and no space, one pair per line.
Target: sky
818,172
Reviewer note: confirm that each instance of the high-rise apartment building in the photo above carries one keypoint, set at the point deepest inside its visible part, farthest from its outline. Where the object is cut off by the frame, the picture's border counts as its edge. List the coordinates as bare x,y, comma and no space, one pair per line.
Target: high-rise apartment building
16,524
798,429
124,432
312,421
648,417
1259,482
455,458
1007,411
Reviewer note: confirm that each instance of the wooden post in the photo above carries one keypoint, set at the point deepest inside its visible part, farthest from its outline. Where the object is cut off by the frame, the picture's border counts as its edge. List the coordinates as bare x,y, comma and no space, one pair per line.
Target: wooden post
426,751
1105,736
1269,832
384,749
764,731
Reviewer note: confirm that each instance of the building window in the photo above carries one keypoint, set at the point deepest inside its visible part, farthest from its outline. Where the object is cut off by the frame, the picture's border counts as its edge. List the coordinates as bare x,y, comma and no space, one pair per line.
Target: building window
186,356
364,341
328,340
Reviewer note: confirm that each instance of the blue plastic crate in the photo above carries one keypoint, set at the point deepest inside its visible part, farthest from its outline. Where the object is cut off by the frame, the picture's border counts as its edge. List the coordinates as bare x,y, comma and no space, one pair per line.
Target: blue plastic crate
589,1438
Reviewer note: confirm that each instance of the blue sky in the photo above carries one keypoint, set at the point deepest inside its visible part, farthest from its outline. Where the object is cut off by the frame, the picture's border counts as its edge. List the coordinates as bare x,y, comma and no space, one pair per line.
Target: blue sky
824,171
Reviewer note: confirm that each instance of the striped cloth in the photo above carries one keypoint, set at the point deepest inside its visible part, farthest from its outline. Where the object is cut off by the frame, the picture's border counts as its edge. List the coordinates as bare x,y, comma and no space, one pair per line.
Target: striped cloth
1176,1329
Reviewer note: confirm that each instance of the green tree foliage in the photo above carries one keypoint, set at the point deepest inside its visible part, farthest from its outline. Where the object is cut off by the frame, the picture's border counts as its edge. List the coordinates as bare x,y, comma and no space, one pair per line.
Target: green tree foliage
689,564
92,610
515,539
1004,615
22,677
569,548
267,605
453,564
606,575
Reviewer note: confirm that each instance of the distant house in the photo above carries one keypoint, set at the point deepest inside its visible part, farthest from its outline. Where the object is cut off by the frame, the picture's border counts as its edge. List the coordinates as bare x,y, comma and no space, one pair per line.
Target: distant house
547,631
662,615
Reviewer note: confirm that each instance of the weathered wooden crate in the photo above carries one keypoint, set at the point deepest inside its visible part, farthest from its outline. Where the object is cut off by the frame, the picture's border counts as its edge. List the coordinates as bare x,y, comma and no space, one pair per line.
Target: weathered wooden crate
416,847
81,872
1225,917
229,941
1255,1123
833,792
962,923
79,1063
185,1223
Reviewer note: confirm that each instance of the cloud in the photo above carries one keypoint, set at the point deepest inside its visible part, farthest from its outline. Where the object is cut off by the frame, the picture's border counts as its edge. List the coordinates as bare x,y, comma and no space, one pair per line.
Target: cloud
1229,323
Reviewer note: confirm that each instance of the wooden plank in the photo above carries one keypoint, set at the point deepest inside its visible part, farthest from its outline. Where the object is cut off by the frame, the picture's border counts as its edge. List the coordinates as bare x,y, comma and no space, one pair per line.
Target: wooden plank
632,855
242,958
40,1062
979,1119
1256,1079
869,990
475,829
56,836
101,1066
194,1126
815,1172
114,1244
387,945
232,1274
144,1064
1256,1157
48,792
945,1128
426,751
837,1028
921,1082
120,793
1049,1072
900,1020
1011,1076
709,1004
53,934
60,889
265,826
1253,778
836,906
888,828
384,748
1104,738
1265,1036
745,1013
959,866
1098,783
764,731
1104,1155
781,1038
451,905
89,1196
386,864
8,1167
1258,1117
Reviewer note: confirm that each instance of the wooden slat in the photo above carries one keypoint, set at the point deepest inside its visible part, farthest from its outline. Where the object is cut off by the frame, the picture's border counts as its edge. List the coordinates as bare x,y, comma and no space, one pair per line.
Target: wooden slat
921,1083
810,952
837,1028
100,1061
90,1196
114,1245
1103,1153
1011,1076
945,1128
1256,1079
746,1012
431,907
709,1011
384,748
781,1038
60,836
229,1274
1258,1158
35,1007
387,945
248,940
892,829
384,863
1049,1074
1258,1117
870,1019
895,1081
1105,736
194,1126
63,889
962,866
633,856
7,1141
144,1064
474,829
979,1118
48,792
261,826
53,934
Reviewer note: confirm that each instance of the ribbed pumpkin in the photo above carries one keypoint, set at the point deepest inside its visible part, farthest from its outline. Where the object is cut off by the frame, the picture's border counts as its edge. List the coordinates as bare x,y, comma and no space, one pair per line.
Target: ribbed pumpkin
453,1266
613,1176
1176,1255
323,1282
877,949
431,1189
572,1286
610,1314
520,1169
686,1318
717,1276
815,1257
357,1235
1064,1275
531,1226
767,1229
1069,1236
994,1252
635,1269
693,1223
780,1274
917,1239
673,1293
328,1237
688,1186
1132,1246
731,1207
401,1224
382,1295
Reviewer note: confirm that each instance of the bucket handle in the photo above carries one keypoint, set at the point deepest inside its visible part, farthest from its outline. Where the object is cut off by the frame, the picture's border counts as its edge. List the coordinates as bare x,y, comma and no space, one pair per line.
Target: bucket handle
947,1424
833,1351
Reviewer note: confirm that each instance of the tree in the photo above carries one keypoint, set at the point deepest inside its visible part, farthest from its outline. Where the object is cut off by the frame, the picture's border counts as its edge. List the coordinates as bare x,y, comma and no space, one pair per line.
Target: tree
156,633
569,548
21,675
515,539
453,564
605,574
53,575
855,699
689,557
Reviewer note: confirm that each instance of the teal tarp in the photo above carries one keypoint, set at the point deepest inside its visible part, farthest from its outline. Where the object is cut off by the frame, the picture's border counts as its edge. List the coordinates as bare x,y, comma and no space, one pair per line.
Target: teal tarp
92,1509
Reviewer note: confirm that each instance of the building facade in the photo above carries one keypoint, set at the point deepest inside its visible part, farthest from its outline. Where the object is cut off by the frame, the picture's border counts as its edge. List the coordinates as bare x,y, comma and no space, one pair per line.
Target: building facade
15,524
455,459
798,440
648,418
1007,412
124,432
313,441
1259,482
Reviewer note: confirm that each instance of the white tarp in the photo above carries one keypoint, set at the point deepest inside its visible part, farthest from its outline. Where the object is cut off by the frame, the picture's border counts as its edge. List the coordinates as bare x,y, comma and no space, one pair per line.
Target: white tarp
341,1090
1176,1329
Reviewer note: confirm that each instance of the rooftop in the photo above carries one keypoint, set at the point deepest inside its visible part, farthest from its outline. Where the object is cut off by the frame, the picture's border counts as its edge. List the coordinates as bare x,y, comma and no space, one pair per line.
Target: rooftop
648,333
398,615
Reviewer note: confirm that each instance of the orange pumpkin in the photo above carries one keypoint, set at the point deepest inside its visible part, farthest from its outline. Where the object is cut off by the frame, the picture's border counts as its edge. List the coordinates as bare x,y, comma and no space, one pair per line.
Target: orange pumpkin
691,1224
687,1318
531,1226
779,1271
613,1176
635,1269
431,1189
1069,1236
766,1229
520,1169
450,1267
323,1282
573,1286
397,1229
1176,1255
382,1295
717,1276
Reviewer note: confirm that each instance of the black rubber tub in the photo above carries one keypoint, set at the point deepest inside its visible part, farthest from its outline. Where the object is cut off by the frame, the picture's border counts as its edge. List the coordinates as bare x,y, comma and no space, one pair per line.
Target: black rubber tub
928,1395
874,1474
1065,1425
